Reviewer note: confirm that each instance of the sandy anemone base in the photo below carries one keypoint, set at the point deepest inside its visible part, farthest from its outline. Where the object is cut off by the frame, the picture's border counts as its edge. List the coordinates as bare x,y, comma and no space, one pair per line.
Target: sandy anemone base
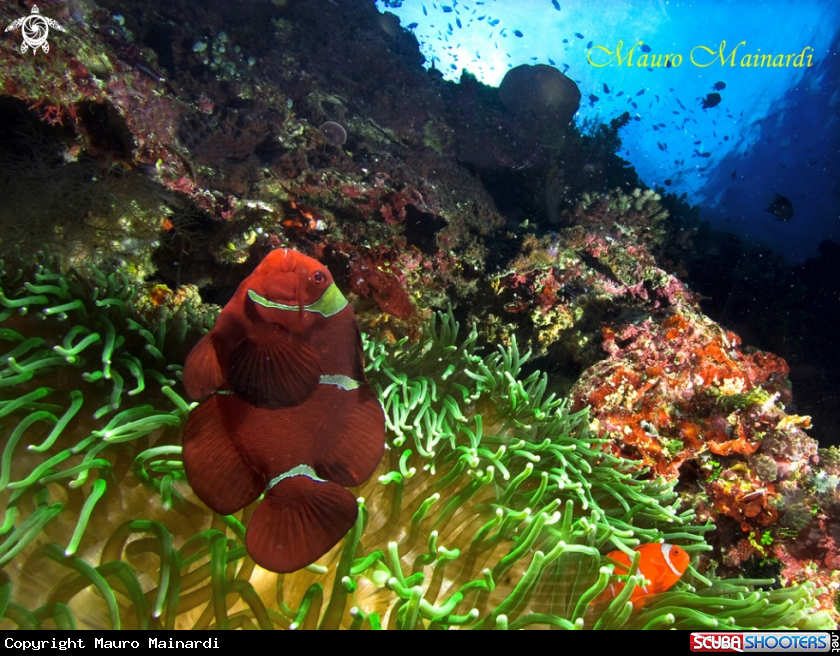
389,572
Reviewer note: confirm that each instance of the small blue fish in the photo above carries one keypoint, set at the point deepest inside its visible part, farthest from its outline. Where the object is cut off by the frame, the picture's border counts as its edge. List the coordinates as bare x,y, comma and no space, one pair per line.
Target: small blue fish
589,45
494,22
556,4
606,88
645,47
578,35
517,33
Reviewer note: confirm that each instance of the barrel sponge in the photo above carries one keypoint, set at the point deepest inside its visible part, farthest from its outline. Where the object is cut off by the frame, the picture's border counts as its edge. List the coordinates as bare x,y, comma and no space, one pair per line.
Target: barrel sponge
540,91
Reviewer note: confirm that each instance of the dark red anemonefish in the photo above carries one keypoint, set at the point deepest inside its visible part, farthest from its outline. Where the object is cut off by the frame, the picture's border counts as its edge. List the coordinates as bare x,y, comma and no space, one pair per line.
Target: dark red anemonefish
662,564
286,410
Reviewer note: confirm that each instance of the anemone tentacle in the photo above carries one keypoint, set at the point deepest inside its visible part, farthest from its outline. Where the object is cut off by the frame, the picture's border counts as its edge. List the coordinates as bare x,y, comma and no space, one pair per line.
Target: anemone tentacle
493,506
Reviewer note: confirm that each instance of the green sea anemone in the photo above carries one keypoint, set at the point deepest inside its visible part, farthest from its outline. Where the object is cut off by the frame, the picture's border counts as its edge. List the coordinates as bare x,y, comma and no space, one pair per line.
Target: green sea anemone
492,507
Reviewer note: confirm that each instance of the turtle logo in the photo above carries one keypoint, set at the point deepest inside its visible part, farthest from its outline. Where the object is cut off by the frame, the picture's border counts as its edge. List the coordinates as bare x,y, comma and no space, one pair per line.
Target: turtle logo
35,29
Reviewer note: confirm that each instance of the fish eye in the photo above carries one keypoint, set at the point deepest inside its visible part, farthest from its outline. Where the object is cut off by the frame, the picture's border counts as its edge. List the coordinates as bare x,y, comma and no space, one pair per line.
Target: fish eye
319,278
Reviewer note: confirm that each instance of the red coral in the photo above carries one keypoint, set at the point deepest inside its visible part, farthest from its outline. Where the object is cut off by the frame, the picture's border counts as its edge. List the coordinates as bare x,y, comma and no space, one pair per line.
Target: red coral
675,378
54,113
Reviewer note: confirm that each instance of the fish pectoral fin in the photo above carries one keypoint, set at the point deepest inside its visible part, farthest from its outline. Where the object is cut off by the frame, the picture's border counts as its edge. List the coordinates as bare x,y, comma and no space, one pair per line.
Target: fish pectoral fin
272,368
216,470
351,454
202,374
298,521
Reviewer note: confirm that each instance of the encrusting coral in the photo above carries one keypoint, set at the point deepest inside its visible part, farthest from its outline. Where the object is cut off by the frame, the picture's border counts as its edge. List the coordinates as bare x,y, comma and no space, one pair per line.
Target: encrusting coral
491,509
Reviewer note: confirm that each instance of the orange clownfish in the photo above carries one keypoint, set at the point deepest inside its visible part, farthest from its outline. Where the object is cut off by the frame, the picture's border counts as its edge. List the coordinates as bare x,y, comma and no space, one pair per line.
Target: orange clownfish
662,564
286,410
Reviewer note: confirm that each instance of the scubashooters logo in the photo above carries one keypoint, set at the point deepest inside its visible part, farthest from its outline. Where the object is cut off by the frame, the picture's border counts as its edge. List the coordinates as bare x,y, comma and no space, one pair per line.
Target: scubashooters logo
755,641
35,30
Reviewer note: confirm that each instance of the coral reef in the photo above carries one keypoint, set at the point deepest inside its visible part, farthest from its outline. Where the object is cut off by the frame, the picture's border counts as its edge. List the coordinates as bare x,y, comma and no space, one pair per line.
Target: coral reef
57,195
231,145
789,310
491,508
568,283
176,144
672,388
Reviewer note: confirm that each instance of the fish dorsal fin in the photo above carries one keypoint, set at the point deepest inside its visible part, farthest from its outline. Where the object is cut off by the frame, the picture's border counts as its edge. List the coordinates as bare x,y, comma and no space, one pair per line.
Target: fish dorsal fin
272,368
202,373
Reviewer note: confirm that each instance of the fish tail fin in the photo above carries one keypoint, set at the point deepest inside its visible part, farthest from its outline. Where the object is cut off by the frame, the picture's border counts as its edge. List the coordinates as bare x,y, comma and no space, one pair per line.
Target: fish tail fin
217,472
298,521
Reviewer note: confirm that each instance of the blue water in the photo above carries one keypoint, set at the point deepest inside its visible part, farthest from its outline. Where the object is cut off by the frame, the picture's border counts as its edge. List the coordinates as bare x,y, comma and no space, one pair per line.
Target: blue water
775,130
